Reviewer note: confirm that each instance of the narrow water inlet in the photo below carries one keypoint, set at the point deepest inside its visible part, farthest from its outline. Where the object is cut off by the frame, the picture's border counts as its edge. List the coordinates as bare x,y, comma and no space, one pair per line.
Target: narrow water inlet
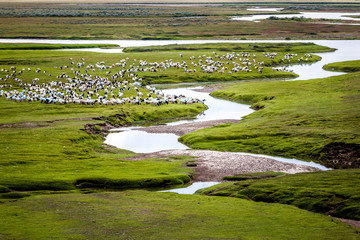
192,188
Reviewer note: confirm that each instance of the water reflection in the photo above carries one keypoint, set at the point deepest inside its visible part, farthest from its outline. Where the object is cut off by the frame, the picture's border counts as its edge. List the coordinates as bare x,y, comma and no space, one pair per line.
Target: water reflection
217,108
138,141
192,188
265,9
143,142
312,15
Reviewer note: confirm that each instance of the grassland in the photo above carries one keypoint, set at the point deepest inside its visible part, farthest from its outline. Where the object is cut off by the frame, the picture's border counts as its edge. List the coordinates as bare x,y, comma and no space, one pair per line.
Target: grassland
45,147
181,21
48,159
54,61
48,149
332,192
310,120
150,215
348,66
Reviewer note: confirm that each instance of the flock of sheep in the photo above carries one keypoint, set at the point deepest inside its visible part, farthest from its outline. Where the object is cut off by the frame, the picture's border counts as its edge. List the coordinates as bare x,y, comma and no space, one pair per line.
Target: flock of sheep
81,87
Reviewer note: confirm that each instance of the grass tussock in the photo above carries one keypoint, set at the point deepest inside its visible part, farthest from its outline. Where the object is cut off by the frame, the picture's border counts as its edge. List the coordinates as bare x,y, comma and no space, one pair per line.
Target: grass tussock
332,192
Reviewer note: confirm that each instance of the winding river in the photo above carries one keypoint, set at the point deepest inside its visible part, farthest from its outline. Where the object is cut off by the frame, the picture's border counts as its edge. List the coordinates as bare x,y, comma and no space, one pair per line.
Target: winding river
138,141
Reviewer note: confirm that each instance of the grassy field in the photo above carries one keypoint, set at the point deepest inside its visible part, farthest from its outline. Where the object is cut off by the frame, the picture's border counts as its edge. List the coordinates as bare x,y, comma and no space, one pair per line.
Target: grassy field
348,66
179,21
334,193
49,160
151,215
58,155
45,146
57,62
310,120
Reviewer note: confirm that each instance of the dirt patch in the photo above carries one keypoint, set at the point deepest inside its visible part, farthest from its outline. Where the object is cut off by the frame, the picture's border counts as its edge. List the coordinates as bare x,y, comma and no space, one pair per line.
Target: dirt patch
214,165
341,155
185,128
98,128
353,223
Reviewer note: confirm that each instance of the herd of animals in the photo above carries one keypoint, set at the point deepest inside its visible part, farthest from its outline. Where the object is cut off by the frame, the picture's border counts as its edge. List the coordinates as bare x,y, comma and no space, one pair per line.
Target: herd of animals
80,86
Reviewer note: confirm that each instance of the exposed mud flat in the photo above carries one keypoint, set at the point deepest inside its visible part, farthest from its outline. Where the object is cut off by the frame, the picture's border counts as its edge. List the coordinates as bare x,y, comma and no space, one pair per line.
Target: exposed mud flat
214,165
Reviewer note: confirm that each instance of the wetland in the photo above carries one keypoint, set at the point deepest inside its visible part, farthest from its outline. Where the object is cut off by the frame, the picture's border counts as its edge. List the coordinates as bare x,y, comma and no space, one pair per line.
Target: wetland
287,156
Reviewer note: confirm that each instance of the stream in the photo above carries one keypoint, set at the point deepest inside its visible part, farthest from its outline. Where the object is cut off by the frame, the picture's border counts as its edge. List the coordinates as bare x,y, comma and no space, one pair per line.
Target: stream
136,140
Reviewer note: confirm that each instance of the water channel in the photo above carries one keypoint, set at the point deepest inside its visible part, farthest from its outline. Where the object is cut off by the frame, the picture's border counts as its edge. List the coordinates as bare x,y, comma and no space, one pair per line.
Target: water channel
312,15
138,141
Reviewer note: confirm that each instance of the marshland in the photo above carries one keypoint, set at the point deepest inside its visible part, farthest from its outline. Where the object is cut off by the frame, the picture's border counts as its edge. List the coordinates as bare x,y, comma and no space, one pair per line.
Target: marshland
286,160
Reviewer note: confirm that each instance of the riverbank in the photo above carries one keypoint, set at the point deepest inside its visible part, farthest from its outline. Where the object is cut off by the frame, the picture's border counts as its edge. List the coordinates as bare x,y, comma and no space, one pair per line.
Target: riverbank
311,120
213,166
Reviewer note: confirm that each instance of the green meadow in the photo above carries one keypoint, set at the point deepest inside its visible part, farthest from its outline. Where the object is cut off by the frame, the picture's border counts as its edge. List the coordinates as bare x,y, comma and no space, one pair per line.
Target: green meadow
151,215
48,146
348,66
167,21
307,120
59,180
54,61
334,192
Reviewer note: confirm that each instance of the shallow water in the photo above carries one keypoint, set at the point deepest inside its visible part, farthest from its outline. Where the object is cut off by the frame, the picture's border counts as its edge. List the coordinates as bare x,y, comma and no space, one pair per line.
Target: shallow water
265,9
142,142
288,160
138,141
312,15
192,188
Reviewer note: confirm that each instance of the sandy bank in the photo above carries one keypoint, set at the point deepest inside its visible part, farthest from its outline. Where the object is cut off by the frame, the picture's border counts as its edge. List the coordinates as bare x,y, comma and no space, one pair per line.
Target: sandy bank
214,165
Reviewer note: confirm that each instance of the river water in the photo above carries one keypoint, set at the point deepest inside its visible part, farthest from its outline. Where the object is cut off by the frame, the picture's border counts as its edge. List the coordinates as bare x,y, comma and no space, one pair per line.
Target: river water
312,15
141,142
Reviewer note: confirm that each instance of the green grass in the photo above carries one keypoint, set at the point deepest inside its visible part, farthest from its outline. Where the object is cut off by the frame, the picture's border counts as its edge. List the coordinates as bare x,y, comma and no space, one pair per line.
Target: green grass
38,154
45,146
348,66
334,192
47,158
310,120
257,175
201,21
147,215
242,47
53,62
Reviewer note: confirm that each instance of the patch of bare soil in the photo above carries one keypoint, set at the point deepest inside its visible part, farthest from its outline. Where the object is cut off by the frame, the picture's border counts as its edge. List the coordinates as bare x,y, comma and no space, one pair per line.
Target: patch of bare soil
185,128
353,223
342,155
214,165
